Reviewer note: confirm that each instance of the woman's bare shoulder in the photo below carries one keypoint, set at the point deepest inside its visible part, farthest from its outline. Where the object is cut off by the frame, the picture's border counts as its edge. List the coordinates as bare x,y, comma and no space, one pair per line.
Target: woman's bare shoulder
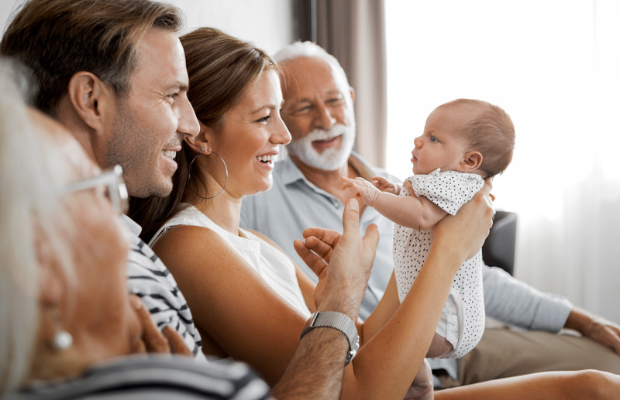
188,243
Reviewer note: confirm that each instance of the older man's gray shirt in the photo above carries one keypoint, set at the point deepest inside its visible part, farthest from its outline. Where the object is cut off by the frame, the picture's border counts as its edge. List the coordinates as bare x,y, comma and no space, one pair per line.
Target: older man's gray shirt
294,204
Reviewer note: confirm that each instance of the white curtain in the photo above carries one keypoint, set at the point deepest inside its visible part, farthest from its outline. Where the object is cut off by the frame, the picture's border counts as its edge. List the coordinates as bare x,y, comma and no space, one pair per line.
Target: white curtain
353,31
554,66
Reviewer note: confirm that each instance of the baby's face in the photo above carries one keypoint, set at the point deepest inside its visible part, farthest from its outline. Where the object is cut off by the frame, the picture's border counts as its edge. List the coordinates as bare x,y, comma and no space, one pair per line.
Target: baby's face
441,145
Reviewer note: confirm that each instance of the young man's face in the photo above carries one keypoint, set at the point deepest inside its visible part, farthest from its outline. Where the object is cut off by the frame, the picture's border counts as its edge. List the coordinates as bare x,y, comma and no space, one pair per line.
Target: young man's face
150,123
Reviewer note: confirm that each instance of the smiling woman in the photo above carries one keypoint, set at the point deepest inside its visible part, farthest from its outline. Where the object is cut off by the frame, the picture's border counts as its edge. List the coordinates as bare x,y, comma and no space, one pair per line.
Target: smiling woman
254,121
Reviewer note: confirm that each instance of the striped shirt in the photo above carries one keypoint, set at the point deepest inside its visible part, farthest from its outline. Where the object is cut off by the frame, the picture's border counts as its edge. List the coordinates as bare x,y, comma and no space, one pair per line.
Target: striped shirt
150,280
155,378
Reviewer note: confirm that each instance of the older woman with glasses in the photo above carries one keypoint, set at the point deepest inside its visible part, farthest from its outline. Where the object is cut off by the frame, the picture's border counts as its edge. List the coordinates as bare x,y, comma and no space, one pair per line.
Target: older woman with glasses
112,180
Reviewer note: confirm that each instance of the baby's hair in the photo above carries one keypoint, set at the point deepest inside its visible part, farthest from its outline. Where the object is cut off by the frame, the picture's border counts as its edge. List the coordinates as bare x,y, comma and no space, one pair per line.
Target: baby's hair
489,131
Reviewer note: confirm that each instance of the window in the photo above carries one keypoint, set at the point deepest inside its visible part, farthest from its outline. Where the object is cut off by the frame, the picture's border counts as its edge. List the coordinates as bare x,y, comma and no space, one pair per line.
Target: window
554,66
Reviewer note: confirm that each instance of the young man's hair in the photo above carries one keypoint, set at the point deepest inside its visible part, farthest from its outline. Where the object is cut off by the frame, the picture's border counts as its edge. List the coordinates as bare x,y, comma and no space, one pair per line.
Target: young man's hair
58,38
490,131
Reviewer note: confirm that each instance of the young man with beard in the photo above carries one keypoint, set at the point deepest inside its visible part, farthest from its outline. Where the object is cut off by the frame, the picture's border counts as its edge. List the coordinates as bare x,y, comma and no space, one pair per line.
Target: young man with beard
318,111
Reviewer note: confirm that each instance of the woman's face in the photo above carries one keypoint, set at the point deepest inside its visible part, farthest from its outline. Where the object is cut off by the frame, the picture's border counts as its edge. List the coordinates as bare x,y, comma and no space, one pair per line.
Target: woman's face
94,307
248,137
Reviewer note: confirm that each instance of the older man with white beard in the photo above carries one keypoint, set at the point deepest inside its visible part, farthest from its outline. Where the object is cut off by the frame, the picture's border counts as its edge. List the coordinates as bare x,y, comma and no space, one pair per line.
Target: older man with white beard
318,111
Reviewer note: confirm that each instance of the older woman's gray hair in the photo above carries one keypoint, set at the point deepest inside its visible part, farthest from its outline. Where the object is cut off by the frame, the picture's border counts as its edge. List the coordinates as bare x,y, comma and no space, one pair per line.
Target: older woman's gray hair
30,179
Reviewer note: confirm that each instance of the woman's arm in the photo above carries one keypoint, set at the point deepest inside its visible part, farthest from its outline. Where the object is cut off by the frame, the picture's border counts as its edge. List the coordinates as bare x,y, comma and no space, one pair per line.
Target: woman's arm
387,306
316,370
387,363
230,302
588,384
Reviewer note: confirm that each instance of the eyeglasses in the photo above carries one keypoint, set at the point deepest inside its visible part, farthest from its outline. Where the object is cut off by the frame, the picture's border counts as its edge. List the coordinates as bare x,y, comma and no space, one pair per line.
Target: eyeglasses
116,190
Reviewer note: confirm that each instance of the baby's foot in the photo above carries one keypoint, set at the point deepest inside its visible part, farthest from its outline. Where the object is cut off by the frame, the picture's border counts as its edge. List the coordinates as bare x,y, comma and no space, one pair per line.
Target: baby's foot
439,346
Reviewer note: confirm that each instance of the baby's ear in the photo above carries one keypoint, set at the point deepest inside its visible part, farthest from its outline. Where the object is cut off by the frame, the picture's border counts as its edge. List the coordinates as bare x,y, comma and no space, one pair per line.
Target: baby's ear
472,161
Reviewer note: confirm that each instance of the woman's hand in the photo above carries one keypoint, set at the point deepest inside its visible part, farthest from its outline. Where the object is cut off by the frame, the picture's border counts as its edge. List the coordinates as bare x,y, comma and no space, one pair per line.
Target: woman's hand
168,341
463,234
342,262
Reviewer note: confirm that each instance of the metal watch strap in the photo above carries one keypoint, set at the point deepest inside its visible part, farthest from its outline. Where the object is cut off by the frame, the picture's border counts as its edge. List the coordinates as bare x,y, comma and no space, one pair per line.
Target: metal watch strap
338,321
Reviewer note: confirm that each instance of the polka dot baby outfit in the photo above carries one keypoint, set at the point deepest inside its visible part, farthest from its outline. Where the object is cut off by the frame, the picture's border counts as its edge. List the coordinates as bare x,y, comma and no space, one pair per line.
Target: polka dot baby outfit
462,320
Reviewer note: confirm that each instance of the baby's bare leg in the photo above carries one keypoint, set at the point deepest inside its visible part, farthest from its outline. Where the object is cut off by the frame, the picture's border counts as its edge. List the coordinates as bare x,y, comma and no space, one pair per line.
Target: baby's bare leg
439,346
422,386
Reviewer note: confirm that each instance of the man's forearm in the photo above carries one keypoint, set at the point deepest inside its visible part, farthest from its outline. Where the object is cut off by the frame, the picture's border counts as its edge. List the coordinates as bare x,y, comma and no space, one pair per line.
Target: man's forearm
514,302
317,367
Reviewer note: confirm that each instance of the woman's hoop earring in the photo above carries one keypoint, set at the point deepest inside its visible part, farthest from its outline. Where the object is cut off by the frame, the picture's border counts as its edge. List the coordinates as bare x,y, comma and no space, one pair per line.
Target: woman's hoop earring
189,175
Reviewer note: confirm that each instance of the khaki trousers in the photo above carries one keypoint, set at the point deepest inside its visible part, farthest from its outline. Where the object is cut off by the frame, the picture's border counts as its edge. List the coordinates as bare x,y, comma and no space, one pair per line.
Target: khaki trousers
504,352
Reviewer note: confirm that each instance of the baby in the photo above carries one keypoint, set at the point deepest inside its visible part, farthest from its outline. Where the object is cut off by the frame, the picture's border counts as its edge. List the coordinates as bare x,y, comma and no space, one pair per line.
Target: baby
464,142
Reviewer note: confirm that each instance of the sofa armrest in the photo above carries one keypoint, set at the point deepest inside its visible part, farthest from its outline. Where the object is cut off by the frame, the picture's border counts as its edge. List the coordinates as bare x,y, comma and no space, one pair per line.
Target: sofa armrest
499,248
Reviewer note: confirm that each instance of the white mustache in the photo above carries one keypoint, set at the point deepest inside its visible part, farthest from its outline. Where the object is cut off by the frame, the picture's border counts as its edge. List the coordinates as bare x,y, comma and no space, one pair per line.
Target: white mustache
330,159
321,134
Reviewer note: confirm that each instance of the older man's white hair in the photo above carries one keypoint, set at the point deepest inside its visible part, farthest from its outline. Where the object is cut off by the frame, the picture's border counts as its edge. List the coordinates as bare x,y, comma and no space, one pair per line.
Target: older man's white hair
313,50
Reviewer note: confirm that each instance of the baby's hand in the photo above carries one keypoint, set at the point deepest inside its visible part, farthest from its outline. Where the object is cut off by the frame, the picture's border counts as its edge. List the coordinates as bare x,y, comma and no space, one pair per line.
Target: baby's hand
365,190
386,186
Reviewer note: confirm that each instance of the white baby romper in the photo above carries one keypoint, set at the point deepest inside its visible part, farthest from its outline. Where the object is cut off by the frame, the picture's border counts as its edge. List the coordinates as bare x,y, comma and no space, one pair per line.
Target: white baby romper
462,320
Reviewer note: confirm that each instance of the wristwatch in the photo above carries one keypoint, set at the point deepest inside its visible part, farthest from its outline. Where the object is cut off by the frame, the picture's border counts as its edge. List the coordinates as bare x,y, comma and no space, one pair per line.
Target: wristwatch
338,321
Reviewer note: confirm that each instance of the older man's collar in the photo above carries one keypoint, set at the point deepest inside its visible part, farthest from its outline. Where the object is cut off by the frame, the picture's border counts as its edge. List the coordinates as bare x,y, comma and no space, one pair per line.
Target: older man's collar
360,166
288,171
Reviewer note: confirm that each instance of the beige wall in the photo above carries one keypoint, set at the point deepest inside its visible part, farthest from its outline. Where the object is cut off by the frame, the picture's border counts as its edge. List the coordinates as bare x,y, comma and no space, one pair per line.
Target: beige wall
6,6
269,24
